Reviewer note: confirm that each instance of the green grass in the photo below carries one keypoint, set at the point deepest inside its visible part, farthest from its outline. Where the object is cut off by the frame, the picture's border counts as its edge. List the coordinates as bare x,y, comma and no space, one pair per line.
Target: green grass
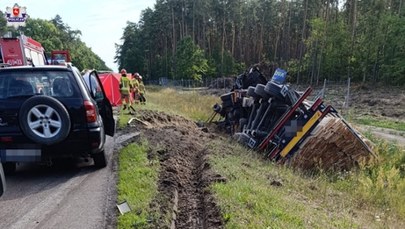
248,200
384,123
123,120
186,103
373,197
137,185
189,104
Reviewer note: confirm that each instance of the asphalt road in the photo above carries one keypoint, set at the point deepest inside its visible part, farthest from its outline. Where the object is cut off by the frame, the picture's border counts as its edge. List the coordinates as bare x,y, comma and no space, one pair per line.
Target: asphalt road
66,195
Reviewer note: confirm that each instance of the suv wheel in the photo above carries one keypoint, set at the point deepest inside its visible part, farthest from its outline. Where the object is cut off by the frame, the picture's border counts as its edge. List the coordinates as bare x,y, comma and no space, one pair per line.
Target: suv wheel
44,120
99,160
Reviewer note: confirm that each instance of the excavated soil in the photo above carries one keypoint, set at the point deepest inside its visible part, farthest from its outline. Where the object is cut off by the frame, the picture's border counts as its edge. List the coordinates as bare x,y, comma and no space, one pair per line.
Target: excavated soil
367,100
184,200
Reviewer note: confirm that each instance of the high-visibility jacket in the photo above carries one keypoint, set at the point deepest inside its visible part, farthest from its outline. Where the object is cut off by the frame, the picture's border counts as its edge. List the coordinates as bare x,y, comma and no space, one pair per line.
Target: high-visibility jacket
141,88
135,84
125,85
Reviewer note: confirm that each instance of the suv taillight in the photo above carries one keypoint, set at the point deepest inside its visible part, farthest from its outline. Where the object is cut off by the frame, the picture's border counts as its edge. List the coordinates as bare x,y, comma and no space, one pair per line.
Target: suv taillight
91,113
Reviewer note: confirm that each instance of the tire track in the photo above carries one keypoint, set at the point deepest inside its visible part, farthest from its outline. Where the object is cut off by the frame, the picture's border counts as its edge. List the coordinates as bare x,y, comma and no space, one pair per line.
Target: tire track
185,173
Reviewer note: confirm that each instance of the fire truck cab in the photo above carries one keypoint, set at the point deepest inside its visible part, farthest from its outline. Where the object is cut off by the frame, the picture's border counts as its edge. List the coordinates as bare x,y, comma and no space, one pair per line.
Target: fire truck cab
21,50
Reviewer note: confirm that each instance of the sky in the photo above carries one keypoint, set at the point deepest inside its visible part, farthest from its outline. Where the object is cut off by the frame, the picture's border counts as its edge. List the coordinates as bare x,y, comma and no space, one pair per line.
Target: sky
101,21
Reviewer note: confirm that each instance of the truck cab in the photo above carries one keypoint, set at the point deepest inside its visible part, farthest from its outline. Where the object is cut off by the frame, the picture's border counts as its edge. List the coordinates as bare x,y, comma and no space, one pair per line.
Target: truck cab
20,51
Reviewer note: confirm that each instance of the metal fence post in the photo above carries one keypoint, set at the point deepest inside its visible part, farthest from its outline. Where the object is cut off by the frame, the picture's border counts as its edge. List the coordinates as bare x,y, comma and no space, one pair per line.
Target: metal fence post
323,89
347,99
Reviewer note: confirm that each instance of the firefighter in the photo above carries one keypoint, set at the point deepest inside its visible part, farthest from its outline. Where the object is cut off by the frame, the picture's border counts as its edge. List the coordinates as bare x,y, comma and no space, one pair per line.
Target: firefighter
142,91
125,89
135,84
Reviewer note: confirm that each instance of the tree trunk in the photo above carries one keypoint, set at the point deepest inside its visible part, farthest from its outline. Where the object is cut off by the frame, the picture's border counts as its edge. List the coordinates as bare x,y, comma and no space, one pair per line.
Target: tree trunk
288,39
327,14
165,55
193,22
204,35
183,23
314,62
233,39
174,34
223,44
260,48
353,32
301,45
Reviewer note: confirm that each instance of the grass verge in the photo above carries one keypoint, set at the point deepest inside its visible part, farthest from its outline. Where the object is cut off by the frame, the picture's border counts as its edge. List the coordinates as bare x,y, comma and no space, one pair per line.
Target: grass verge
384,123
190,104
259,194
137,185
186,103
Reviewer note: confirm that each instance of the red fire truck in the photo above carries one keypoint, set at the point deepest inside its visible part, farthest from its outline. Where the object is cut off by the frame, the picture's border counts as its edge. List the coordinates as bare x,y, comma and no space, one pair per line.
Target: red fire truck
24,50
21,50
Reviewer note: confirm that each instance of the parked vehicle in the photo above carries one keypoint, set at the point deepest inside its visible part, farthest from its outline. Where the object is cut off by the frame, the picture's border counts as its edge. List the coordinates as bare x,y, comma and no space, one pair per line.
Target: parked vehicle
22,50
49,112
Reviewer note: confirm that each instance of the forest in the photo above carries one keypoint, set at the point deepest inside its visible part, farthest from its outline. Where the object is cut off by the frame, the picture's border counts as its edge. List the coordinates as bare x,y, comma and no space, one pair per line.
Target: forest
54,34
312,39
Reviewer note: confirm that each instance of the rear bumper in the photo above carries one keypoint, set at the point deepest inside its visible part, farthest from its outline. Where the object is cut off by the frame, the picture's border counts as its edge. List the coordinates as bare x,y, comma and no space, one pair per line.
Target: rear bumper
78,143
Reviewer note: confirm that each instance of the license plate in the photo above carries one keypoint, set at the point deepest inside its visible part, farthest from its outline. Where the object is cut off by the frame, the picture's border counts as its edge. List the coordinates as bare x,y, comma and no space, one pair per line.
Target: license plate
21,155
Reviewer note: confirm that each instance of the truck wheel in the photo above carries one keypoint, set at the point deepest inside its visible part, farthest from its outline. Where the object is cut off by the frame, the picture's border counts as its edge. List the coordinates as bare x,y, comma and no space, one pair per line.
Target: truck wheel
251,92
261,92
44,120
274,90
100,160
226,97
242,123
228,103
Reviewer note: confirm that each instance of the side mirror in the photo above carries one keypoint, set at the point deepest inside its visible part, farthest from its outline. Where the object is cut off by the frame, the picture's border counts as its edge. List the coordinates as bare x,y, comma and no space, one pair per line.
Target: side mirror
2,181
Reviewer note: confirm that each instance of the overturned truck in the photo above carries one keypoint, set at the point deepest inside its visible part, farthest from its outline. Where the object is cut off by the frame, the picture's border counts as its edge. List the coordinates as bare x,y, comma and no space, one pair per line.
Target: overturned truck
287,127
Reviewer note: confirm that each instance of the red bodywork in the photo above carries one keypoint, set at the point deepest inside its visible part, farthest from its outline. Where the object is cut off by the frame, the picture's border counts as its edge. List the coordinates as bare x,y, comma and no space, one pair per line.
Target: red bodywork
58,55
21,50
11,51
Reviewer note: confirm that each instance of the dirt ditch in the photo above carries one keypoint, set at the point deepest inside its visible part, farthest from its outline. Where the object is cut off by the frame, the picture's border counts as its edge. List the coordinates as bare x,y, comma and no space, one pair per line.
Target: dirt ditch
184,201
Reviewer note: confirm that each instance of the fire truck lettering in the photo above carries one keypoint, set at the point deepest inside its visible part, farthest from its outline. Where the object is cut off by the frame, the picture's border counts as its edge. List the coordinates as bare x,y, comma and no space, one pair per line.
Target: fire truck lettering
14,61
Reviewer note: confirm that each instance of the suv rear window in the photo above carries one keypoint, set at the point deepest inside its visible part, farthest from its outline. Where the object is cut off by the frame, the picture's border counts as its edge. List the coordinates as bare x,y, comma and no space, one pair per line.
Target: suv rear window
23,83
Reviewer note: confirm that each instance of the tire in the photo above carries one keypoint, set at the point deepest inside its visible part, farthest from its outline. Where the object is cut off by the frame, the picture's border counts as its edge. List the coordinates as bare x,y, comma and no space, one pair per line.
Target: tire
9,167
226,97
44,120
100,160
251,92
227,103
260,91
242,123
274,90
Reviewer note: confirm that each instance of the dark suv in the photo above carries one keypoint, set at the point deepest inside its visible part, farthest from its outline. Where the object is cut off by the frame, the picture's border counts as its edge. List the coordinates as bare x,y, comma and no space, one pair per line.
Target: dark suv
50,112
